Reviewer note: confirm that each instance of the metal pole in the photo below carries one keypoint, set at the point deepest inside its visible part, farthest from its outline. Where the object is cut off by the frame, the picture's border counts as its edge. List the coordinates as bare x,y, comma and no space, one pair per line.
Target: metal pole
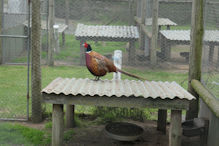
28,60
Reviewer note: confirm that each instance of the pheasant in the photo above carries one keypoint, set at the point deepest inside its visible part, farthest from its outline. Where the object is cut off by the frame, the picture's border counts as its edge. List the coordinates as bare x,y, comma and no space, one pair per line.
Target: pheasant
99,65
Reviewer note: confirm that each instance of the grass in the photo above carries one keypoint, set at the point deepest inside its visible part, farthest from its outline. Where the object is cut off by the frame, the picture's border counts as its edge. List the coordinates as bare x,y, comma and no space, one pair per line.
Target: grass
13,85
16,134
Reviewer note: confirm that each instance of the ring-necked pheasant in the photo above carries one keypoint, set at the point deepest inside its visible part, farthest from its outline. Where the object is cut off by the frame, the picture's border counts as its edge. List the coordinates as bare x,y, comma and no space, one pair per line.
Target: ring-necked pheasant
99,65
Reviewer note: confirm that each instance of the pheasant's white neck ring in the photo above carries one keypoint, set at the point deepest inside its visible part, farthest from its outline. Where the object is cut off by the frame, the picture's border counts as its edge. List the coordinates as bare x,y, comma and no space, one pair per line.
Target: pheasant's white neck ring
88,51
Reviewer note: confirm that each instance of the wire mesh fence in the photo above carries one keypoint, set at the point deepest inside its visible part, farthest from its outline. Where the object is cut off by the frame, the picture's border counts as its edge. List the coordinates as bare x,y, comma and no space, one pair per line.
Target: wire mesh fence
108,25
14,40
210,59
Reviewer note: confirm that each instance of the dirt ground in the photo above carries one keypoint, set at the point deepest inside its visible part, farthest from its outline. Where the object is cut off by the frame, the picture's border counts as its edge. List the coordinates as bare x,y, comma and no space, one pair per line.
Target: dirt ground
95,135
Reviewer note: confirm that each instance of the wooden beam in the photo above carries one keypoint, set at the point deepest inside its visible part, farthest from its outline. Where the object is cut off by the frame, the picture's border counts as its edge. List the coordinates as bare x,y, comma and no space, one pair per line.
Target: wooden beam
211,101
57,125
175,132
195,53
113,101
35,63
143,15
66,12
70,112
51,38
153,50
148,33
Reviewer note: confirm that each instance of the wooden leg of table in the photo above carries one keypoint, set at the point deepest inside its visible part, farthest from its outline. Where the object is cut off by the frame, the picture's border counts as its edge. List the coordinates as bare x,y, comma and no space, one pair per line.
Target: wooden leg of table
162,120
63,39
57,125
70,116
131,55
211,53
175,131
82,53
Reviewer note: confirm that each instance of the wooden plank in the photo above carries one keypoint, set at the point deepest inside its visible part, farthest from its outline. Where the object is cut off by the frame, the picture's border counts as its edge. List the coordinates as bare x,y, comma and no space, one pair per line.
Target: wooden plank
57,125
117,101
162,120
70,112
153,50
175,132
195,57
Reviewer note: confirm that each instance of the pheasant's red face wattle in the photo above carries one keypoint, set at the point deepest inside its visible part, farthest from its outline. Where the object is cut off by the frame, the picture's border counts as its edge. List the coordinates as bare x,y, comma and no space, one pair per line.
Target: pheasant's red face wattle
85,45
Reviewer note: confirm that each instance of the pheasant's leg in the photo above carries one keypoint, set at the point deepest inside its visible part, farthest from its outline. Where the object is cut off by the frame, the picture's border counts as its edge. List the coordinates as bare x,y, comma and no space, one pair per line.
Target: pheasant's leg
98,78
95,78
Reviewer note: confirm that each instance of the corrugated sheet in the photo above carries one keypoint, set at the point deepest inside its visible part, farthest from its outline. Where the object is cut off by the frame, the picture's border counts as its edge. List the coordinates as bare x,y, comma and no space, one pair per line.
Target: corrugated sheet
161,22
117,88
184,35
106,31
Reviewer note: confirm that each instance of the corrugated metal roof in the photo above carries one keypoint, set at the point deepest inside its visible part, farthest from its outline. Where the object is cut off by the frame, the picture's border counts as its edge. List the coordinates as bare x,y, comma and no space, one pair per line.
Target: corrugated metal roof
118,88
184,35
161,22
106,31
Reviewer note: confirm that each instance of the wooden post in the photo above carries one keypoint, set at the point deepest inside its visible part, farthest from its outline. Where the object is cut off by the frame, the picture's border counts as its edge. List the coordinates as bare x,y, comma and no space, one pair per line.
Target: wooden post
82,53
195,53
131,57
175,131
63,39
1,26
143,15
57,125
66,12
211,53
131,12
35,63
162,120
70,112
153,51
51,39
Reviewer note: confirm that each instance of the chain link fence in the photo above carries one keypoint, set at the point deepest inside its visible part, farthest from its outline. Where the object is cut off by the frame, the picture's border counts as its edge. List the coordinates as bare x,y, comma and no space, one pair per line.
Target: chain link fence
210,59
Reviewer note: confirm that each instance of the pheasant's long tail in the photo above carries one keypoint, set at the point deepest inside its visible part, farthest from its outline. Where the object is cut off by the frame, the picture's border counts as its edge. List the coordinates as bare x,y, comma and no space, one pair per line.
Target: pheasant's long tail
129,74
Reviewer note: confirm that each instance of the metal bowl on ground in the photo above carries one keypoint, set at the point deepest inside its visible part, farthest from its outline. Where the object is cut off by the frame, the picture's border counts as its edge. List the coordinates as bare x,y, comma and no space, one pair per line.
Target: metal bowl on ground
123,131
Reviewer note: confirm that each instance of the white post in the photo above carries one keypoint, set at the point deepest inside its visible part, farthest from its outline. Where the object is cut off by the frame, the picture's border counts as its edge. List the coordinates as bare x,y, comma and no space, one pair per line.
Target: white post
117,60
56,37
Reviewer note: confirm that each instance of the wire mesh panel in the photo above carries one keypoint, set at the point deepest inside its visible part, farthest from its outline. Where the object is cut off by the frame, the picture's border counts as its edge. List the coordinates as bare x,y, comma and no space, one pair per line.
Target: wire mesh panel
14,48
210,67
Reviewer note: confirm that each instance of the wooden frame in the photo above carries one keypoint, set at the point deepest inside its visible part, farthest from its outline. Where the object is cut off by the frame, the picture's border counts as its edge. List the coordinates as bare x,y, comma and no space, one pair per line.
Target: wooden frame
176,105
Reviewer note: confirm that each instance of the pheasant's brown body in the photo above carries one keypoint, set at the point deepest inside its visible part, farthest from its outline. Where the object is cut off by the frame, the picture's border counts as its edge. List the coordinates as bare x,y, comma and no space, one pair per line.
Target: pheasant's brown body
99,65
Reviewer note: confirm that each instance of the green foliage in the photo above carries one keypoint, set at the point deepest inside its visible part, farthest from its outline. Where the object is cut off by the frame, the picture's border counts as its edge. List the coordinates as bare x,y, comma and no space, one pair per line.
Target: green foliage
11,134
68,135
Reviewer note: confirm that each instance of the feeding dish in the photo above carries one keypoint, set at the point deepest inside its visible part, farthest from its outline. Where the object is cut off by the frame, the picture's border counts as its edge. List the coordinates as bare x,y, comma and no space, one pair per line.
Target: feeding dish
123,131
